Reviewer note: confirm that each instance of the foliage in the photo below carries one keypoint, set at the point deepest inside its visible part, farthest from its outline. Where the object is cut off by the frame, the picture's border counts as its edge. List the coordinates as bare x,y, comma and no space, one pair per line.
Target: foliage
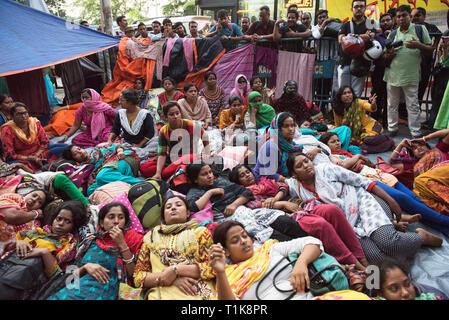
92,11
54,6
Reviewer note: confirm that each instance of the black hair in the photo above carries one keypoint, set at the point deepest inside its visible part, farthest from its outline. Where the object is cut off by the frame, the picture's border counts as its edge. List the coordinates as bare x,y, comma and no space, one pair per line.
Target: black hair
141,24
404,7
284,116
119,19
78,210
337,104
246,17
131,95
188,86
291,6
222,13
234,174
388,264
104,211
170,104
321,11
67,153
141,80
209,73
300,122
325,137
171,197
48,197
222,229
233,98
291,161
294,12
169,79
192,22
16,105
84,21
251,81
392,11
352,4
167,20
87,90
193,170
156,22
266,8
422,11
384,15
3,97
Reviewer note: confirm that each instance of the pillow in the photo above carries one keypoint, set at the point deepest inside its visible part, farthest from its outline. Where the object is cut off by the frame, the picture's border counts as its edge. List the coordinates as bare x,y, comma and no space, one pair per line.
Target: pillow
108,191
123,199
202,216
232,156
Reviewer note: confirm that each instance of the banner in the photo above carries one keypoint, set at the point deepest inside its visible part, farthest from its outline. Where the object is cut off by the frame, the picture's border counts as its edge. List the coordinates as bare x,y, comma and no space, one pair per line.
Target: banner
341,9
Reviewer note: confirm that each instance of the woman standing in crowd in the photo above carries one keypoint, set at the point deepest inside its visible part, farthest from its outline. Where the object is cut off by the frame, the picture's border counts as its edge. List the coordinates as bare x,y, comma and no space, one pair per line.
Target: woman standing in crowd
244,274
98,117
170,94
108,257
366,205
214,95
25,141
134,124
291,101
167,162
195,108
173,261
365,131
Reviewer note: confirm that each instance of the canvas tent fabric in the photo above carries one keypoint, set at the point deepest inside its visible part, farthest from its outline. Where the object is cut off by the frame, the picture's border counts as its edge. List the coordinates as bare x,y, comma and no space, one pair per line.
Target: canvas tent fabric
33,39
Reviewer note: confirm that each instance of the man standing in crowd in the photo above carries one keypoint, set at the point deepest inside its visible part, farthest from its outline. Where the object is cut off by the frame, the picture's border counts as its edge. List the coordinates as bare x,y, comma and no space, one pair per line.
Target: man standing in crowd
262,29
357,26
403,70
229,33
157,28
291,29
84,23
245,24
122,23
377,76
168,29
180,29
142,29
419,17
193,29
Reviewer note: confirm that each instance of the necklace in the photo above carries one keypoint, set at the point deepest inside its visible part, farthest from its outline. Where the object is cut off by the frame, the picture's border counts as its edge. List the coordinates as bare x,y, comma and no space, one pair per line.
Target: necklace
212,95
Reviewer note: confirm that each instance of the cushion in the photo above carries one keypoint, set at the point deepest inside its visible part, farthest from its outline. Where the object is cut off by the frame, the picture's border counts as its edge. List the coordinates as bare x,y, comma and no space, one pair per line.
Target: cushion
108,192
123,199
232,156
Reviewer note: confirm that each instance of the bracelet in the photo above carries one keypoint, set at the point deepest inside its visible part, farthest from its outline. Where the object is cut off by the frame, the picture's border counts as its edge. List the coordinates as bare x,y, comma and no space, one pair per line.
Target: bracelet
127,249
175,269
424,138
395,151
130,260
37,214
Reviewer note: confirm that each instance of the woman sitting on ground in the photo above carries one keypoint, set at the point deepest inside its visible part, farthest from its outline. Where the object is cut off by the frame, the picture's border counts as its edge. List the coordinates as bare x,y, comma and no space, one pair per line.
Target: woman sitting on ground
260,114
241,87
108,257
6,103
365,131
195,108
291,101
228,200
214,95
233,117
395,284
142,94
267,93
167,162
173,261
170,94
115,163
98,118
19,213
55,243
25,141
133,124
325,222
365,204
408,201
241,277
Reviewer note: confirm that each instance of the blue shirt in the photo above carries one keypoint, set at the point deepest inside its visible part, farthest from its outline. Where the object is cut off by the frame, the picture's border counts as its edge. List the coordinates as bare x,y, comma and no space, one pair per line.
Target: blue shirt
227,31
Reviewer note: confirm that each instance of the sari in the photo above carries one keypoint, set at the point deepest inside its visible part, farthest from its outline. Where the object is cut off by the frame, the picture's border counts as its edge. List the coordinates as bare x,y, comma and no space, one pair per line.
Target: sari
293,103
265,113
239,92
200,112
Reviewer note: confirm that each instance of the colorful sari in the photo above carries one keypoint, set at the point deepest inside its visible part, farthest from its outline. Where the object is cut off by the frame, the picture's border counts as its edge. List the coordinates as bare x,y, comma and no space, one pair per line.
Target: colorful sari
265,113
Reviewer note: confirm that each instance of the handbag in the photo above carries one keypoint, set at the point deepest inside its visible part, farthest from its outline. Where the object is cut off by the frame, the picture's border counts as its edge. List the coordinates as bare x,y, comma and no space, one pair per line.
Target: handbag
325,275
387,168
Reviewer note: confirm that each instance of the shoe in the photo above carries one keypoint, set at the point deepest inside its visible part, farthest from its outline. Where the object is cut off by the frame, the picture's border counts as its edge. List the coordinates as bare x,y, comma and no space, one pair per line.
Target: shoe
392,134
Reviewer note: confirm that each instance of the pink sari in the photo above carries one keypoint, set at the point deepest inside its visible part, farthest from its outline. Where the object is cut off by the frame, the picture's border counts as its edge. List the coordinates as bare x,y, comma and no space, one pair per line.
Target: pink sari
98,109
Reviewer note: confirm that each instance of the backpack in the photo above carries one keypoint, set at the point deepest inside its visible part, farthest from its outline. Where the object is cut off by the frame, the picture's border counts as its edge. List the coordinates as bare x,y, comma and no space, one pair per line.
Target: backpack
179,181
146,198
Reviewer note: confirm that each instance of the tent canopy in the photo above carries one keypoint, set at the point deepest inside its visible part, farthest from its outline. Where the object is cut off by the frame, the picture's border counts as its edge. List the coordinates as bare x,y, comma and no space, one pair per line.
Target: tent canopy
32,39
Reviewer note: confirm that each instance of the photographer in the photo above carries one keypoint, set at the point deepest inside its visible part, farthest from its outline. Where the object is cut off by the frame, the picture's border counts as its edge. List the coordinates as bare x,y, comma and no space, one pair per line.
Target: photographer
403,70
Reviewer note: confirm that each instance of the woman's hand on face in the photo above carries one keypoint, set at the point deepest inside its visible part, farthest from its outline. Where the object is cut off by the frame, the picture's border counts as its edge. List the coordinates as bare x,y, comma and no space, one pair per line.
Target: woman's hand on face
22,248
312,153
98,272
268,203
229,210
117,235
217,258
187,285
299,278
373,99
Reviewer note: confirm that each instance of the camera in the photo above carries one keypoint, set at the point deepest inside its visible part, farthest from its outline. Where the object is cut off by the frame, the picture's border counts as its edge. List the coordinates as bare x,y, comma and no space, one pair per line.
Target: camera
389,44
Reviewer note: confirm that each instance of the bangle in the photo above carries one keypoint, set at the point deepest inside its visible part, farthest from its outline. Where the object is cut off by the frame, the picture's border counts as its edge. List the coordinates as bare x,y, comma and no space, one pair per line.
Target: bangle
37,214
130,260
395,151
127,249
424,138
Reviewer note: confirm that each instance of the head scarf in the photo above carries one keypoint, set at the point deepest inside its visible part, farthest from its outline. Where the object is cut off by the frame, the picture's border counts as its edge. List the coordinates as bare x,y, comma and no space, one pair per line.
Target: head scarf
239,92
284,146
292,94
32,125
352,118
265,112
98,108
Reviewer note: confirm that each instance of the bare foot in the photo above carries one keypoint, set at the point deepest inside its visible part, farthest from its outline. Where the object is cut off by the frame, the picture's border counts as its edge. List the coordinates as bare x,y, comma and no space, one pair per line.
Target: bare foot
430,240
364,262
360,266
411,218
401,226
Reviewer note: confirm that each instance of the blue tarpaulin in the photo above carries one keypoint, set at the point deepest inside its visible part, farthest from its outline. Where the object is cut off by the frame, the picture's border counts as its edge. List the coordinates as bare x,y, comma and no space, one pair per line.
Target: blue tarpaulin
31,39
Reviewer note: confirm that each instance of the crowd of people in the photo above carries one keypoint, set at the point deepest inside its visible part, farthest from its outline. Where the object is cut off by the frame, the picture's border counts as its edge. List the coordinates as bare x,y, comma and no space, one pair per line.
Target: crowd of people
228,216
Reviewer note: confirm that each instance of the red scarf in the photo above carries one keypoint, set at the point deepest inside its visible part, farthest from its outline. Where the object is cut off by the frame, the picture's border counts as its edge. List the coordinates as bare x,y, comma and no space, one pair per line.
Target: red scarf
132,238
